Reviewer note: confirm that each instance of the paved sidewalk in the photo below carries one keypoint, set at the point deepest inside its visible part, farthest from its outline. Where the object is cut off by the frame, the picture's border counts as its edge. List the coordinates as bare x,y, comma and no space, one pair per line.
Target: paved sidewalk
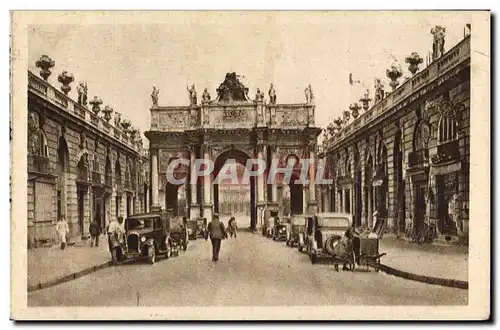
47,264
448,262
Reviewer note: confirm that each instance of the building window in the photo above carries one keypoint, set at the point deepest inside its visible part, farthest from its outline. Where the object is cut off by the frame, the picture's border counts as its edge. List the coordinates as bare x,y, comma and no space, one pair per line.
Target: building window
448,128
44,148
421,135
118,201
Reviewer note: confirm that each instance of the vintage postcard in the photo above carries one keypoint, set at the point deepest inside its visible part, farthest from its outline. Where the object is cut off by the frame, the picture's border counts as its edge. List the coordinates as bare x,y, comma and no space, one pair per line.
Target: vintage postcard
291,165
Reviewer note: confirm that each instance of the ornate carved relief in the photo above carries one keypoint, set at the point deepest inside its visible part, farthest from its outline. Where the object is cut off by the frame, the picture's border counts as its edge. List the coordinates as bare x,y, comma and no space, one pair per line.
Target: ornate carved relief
292,117
33,132
194,118
234,115
163,160
173,119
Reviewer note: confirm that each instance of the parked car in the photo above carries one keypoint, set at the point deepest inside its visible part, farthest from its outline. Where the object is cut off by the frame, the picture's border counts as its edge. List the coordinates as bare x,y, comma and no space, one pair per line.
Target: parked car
192,226
201,227
147,236
179,232
328,229
296,230
279,230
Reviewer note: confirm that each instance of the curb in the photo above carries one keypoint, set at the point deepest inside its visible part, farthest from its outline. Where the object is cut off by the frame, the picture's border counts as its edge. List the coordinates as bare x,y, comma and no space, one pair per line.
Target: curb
425,279
68,278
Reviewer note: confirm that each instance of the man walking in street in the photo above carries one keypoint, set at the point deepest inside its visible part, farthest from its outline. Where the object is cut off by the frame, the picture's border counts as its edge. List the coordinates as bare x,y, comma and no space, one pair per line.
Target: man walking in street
232,227
217,233
116,230
95,231
62,230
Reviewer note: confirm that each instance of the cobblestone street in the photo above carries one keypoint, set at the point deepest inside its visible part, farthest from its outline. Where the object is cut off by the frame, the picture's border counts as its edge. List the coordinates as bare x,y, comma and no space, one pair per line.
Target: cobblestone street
252,270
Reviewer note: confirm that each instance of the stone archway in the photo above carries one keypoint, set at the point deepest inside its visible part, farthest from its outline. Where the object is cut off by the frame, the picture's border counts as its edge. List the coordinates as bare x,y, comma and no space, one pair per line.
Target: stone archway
295,187
224,162
232,122
399,183
62,177
369,201
176,194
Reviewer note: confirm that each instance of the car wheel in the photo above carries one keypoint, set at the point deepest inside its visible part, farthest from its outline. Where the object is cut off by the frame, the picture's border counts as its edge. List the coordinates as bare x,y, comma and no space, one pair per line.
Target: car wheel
169,250
151,254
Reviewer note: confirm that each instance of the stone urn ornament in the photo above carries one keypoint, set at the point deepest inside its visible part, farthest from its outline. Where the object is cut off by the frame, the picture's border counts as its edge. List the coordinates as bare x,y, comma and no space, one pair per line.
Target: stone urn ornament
394,73
65,79
347,116
107,113
45,63
366,101
133,133
331,129
96,104
126,125
338,121
354,110
414,60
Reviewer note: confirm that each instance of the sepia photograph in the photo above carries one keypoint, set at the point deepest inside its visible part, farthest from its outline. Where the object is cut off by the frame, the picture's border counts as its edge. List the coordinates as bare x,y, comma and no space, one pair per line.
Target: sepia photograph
244,165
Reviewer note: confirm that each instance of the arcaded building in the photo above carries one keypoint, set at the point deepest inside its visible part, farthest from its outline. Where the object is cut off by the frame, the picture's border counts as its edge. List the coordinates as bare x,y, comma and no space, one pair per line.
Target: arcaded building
405,153
84,161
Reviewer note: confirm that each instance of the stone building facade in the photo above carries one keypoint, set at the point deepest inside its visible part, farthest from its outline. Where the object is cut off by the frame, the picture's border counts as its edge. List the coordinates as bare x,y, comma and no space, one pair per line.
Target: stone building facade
407,156
81,165
231,126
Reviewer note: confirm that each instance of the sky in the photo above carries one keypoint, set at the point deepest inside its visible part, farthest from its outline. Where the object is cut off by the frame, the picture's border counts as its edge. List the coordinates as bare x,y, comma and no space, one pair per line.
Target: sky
122,62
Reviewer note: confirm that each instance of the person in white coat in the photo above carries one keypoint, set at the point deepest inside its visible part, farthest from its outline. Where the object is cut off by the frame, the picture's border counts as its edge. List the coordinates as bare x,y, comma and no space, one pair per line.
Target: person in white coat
62,229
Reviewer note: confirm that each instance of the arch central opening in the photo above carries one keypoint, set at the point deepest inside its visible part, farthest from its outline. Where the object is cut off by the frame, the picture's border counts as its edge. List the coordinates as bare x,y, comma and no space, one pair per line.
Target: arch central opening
235,196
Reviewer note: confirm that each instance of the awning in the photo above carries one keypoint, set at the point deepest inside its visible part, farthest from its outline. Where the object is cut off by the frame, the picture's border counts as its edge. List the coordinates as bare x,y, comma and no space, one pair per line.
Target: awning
441,169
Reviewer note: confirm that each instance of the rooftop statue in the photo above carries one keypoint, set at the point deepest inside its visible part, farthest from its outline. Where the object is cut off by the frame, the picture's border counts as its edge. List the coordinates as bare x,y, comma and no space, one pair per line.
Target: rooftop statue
439,33
82,93
193,99
154,96
379,90
231,89
309,94
205,97
259,96
272,95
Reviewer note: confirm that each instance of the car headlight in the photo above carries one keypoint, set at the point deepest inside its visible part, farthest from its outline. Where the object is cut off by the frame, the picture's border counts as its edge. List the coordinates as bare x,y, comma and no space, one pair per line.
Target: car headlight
143,239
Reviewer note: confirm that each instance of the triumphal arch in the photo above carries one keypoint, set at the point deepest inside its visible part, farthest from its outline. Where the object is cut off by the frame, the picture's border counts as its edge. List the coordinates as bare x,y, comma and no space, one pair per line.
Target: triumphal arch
232,126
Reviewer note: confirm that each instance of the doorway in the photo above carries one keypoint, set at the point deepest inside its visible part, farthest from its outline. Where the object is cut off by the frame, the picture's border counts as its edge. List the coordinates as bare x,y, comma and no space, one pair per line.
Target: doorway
420,207
358,201
81,209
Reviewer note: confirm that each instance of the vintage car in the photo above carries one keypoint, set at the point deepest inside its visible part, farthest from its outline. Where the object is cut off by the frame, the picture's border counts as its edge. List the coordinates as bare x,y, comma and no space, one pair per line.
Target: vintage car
326,232
196,228
296,230
179,233
146,236
279,231
201,227
192,226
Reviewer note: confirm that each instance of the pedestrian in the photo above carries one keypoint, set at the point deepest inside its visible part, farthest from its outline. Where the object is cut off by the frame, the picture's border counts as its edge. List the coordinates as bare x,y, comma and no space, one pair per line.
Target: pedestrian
232,227
115,228
216,232
95,231
62,230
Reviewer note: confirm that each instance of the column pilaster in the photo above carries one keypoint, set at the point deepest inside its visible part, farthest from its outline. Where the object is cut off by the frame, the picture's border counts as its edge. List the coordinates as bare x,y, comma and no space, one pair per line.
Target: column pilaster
155,205
312,204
